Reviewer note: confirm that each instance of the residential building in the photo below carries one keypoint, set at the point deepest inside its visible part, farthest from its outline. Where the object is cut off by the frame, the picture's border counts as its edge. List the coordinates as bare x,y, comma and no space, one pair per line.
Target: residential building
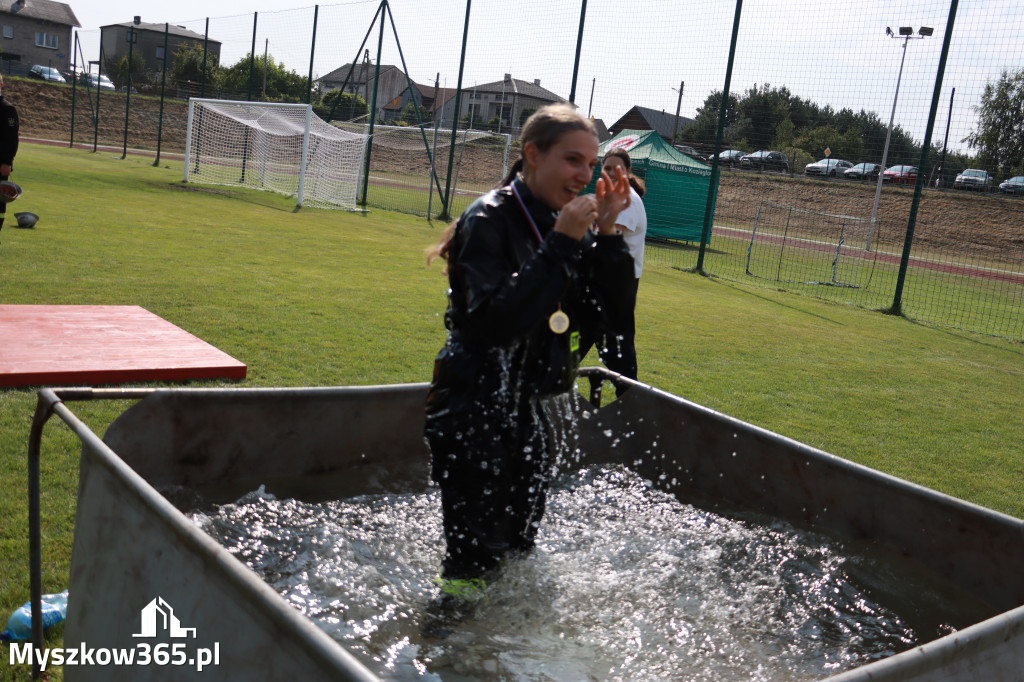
392,85
147,41
506,99
642,118
36,32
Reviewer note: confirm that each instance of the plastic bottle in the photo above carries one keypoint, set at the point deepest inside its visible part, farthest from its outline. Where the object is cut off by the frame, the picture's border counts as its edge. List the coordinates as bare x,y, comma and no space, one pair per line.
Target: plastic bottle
19,625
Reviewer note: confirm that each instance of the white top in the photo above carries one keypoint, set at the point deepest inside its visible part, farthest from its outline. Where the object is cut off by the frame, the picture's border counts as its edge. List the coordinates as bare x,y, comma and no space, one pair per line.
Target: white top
633,222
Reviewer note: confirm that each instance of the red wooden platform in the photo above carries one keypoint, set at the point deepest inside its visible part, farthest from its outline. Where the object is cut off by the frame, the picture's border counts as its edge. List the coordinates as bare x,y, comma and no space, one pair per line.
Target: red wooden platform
76,345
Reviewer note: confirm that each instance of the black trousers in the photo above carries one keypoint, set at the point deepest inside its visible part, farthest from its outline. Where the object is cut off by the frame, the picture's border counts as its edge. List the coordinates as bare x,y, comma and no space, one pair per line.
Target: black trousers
3,206
493,472
618,353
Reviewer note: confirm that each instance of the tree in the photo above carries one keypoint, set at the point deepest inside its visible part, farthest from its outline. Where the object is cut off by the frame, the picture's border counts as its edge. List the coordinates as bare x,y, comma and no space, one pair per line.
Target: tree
117,69
281,85
340,106
846,146
764,108
525,114
187,65
704,128
999,137
408,115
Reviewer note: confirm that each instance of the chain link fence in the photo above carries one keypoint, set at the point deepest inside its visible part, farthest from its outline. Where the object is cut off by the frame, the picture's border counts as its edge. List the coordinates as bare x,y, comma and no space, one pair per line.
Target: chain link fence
926,97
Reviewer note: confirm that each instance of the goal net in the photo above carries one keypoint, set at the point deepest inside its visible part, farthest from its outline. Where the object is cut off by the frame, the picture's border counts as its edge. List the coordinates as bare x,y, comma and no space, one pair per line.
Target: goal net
799,246
277,147
410,165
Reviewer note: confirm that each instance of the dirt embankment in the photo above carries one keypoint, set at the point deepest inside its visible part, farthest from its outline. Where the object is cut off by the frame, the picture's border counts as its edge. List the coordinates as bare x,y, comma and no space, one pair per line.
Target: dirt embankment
45,112
985,224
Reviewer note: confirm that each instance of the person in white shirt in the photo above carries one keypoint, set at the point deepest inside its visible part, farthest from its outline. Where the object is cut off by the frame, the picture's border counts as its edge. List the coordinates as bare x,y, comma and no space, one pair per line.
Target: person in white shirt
619,353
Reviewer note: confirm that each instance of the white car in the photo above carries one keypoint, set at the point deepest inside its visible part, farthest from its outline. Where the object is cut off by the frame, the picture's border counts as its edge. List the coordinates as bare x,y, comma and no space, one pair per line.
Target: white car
972,178
828,168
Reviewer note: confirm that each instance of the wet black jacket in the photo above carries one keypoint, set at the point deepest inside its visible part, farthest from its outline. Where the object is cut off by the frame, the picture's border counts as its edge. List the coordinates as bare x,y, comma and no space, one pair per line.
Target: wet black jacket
8,131
505,284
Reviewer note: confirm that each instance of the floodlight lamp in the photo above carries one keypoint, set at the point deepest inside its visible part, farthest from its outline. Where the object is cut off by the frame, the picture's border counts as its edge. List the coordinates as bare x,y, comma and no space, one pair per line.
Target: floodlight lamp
926,30
906,30
888,31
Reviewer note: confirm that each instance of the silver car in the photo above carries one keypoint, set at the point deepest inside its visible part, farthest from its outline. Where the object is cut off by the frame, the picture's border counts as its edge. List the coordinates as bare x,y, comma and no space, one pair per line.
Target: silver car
828,168
972,178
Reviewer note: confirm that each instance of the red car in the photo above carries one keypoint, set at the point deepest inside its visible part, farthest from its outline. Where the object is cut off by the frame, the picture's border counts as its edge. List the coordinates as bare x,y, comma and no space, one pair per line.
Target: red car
901,175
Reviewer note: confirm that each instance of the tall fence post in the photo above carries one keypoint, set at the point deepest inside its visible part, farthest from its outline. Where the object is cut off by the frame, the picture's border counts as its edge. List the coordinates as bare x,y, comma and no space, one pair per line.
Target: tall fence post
74,85
163,90
312,52
206,43
897,300
252,55
576,64
709,204
128,88
96,118
446,201
373,104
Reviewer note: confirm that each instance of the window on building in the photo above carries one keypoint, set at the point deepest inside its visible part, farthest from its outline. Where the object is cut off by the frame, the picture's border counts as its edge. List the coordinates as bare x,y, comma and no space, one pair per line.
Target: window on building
46,40
8,31
160,52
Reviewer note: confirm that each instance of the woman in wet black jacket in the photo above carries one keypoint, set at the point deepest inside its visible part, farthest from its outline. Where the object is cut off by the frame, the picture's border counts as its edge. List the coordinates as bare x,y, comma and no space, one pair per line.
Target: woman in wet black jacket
532,266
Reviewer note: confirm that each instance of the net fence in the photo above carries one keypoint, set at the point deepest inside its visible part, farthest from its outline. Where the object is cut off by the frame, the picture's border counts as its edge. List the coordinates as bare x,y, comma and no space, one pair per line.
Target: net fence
874,85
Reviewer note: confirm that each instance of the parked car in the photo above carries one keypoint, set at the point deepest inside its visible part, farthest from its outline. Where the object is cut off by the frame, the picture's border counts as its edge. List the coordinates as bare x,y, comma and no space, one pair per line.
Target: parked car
863,171
730,157
765,160
691,152
972,178
1014,185
828,168
901,175
46,73
100,82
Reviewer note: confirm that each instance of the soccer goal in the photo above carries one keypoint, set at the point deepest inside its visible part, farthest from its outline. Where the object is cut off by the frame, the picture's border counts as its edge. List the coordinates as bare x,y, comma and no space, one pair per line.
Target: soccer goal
277,147
799,246
411,164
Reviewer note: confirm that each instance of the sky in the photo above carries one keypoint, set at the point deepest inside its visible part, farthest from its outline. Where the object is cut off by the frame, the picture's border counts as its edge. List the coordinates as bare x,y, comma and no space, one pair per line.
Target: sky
829,52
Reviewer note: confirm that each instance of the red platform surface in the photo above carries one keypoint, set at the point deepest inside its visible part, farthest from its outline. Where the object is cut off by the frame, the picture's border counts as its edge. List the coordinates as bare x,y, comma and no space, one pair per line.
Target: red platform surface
76,345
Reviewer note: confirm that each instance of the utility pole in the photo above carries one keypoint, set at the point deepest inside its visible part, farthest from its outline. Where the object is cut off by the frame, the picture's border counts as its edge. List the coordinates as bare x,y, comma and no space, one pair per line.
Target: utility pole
679,104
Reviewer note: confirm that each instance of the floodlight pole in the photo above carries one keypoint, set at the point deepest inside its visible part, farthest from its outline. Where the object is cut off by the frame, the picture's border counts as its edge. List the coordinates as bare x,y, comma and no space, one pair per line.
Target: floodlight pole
888,135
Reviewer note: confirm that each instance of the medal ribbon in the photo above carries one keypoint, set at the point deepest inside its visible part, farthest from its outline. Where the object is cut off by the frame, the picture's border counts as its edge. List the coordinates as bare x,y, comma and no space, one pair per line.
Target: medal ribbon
559,321
526,212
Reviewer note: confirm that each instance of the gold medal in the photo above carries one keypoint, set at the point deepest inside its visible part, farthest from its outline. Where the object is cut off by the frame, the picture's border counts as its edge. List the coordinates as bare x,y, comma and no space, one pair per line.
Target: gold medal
559,321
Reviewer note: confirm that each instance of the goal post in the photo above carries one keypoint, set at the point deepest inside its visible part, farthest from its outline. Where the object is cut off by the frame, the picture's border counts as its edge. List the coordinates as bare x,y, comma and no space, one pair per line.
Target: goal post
802,246
274,146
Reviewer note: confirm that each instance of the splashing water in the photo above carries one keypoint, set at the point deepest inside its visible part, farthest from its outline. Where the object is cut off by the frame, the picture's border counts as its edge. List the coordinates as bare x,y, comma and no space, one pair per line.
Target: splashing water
625,583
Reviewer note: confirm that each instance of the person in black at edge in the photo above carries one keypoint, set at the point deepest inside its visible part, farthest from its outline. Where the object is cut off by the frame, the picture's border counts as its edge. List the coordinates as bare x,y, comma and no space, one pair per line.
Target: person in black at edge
528,275
8,141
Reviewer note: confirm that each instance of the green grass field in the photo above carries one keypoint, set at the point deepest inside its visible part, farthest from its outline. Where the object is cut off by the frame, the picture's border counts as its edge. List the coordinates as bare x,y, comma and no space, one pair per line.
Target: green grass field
313,298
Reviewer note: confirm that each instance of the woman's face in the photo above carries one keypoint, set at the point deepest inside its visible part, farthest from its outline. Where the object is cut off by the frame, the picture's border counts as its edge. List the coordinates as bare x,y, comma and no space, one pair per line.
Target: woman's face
613,162
559,174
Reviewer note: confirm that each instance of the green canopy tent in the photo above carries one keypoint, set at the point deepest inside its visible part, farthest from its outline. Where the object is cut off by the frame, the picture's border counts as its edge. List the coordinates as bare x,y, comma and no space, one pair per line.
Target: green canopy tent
677,185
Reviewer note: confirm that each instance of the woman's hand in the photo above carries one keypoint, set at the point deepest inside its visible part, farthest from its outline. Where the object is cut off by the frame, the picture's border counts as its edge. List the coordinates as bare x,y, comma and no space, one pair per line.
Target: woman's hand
578,215
612,198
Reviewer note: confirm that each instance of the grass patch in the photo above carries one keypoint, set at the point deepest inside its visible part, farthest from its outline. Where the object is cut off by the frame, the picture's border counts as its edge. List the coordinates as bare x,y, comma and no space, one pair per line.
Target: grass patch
313,298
